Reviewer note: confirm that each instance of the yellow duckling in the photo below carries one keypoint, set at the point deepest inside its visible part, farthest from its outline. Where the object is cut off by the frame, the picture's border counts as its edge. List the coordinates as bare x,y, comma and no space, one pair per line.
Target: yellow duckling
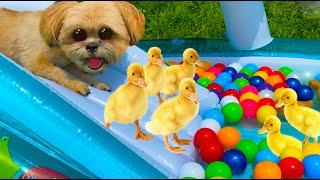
175,73
154,72
129,102
175,114
304,119
277,142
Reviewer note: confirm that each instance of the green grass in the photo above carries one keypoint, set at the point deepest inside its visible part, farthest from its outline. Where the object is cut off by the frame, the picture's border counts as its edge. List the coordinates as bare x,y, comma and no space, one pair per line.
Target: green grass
199,19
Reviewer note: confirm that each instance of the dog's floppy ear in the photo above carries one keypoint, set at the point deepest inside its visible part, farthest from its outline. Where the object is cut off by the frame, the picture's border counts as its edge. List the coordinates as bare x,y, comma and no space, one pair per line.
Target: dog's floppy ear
51,21
133,19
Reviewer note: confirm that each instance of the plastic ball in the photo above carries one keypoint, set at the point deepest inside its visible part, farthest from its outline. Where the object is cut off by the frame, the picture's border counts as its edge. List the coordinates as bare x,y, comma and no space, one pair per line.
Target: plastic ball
267,170
220,66
278,73
305,77
274,79
241,82
236,160
293,83
211,151
262,74
311,166
280,85
230,70
240,75
200,71
266,101
317,77
291,168
249,88
229,137
263,144
225,76
231,92
203,136
249,149
305,93
266,69
228,99
292,152
214,70
232,112
236,66
285,70
203,81
211,124
249,95
192,169
256,81
266,155
294,75
311,148
196,77
209,75
214,114
209,102
222,82
265,86
266,93
218,93
215,86
264,112
218,169
231,86
247,71
250,108
252,67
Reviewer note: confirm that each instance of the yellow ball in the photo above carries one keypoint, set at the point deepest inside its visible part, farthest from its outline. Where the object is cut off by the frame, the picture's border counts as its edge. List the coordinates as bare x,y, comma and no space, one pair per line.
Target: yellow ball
209,75
311,148
277,94
264,112
262,74
249,95
292,152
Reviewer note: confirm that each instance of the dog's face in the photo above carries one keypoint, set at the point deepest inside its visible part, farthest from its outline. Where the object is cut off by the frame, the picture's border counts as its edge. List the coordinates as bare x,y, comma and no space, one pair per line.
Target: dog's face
92,34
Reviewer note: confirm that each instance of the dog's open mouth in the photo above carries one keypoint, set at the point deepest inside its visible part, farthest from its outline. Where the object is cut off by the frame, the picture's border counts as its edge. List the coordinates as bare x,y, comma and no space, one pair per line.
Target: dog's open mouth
95,63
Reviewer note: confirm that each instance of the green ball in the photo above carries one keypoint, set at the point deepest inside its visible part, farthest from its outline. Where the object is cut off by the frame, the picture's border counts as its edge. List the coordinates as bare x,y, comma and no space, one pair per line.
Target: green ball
232,112
263,144
249,149
285,70
241,82
218,169
188,178
204,82
247,71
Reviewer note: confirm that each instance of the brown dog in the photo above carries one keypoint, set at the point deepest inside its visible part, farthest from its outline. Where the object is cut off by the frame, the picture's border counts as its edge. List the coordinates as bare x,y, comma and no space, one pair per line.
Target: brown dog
82,38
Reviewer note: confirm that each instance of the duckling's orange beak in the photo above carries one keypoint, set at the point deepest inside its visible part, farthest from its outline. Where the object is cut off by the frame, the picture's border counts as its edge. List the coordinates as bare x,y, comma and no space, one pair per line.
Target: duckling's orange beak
159,62
142,83
279,104
194,98
199,63
262,130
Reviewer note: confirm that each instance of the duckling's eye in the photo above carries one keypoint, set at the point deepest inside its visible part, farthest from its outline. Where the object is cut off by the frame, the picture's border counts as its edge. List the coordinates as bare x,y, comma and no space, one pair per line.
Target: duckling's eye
288,97
187,88
191,57
152,55
132,74
271,124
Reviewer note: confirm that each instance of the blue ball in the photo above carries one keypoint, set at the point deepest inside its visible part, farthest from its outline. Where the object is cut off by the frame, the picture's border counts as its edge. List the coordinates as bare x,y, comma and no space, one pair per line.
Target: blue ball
231,86
222,82
251,66
256,81
240,75
214,114
266,155
317,77
293,83
311,165
225,76
230,70
265,86
217,93
236,160
305,93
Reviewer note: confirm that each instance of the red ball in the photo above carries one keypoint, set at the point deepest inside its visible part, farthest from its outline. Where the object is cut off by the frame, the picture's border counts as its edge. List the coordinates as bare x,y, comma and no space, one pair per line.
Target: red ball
210,152
291,168
279,74
265,69
203,136
266,101
215,86
220,66
280,85
250,108
231,92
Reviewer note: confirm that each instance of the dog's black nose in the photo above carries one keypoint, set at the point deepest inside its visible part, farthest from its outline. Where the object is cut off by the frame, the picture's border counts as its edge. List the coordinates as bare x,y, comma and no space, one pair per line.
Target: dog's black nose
92,47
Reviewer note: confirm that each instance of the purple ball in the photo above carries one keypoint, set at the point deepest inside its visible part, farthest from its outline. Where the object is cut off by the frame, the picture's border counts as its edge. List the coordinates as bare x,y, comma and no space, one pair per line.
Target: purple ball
265,86
240,75
217,93
196,77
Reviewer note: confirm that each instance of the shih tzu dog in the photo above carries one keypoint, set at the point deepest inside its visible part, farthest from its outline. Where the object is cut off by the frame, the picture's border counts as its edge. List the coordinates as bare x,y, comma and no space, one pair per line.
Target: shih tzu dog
80,38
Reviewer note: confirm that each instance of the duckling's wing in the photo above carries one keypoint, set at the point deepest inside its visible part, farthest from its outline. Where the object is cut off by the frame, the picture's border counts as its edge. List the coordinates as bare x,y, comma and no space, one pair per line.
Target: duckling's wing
170,74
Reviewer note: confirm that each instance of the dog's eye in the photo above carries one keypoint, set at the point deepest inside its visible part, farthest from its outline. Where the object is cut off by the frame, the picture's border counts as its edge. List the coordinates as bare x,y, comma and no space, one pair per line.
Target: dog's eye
105,34
79,35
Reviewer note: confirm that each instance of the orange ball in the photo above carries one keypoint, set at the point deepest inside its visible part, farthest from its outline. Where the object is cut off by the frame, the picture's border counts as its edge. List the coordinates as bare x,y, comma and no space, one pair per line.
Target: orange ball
274,79
262,74
249,95
209,75
267,170
229,137
200,71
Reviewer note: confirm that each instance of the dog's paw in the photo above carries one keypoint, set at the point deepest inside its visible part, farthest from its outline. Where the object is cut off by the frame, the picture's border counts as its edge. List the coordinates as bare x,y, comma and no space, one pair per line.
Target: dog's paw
103,86
80,87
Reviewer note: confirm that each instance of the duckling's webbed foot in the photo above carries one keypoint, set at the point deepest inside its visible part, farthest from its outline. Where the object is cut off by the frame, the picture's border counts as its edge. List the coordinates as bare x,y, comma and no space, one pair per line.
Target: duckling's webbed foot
107,125
140,134
180,141
176,150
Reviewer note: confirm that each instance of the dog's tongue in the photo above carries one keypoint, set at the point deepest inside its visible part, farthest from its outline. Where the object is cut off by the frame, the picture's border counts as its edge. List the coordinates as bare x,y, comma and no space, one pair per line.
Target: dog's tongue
94,63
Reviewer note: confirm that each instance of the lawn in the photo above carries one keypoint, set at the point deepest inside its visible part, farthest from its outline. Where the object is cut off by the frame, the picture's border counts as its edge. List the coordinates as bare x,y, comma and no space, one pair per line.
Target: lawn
199,19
